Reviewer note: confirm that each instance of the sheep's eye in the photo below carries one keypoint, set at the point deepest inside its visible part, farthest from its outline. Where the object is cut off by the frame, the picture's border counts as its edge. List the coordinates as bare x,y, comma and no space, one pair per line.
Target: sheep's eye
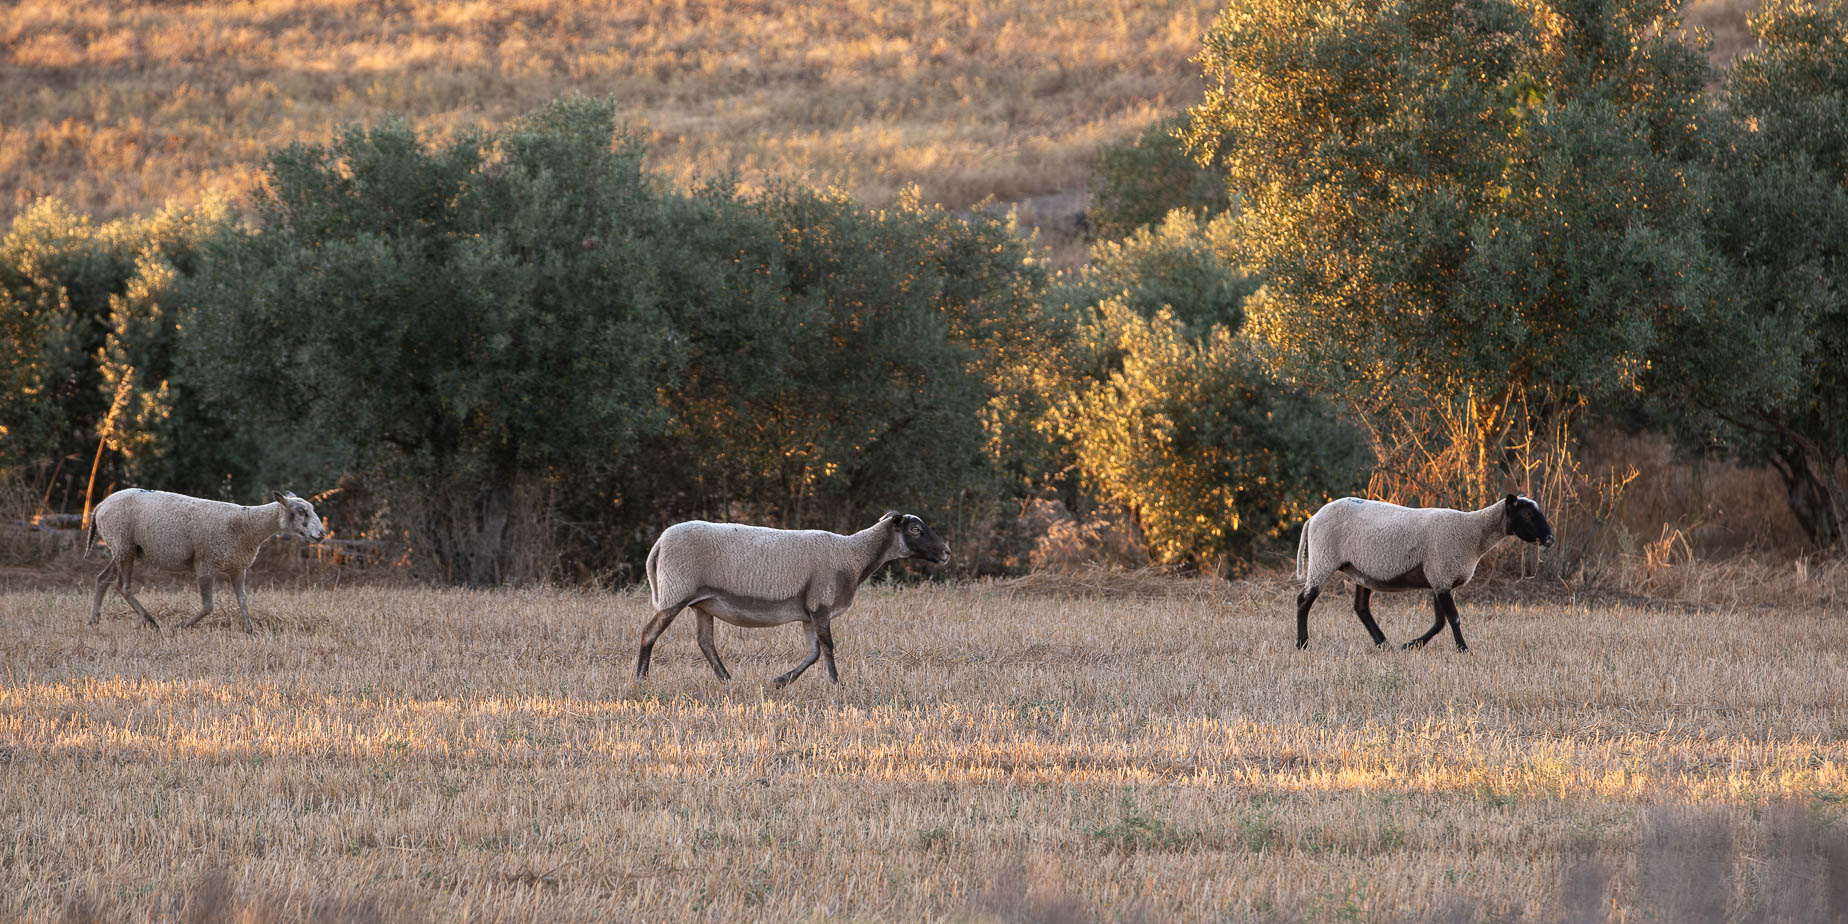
914,530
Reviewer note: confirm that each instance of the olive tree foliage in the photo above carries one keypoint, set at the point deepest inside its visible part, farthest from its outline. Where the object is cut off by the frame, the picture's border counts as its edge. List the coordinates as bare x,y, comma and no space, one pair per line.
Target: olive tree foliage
1167,411
86,312
522,338
1762,366
863,360
1141,179
454,318
1182,262
853,369
1466,215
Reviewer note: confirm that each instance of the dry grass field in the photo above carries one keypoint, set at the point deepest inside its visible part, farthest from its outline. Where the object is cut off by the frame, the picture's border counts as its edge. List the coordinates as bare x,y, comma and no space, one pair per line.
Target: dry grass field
117,107
392,753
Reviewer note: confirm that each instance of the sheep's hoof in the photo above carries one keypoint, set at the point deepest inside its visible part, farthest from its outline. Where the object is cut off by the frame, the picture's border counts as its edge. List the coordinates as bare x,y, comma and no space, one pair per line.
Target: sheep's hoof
1463,649
1302,645
1411,646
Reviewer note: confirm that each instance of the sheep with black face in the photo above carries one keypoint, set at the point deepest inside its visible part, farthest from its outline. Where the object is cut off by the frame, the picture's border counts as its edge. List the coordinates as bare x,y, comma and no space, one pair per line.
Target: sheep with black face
1386,547
756,577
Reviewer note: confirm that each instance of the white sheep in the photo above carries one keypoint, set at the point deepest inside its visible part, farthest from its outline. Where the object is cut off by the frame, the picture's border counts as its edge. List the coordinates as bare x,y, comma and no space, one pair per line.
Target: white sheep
756,577
174,532
1387,547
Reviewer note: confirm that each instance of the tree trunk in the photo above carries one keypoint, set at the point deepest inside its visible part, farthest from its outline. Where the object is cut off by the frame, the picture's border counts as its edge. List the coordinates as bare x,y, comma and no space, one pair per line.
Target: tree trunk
1809,497
488,559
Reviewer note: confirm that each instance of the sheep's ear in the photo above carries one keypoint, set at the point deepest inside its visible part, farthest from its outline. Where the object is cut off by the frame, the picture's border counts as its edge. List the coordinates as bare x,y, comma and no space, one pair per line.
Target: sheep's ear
889,516
1510,499
278,496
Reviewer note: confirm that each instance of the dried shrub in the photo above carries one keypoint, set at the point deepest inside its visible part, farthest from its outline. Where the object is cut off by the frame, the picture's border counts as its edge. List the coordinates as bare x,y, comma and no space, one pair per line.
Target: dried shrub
1106,538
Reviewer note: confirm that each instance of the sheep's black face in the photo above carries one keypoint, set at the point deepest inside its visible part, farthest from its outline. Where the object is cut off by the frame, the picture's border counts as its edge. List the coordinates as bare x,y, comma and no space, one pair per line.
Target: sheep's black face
919,540
1527,523
298,517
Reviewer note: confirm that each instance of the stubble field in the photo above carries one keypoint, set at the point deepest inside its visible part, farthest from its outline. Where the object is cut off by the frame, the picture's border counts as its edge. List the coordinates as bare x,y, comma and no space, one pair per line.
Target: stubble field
118,107
401,753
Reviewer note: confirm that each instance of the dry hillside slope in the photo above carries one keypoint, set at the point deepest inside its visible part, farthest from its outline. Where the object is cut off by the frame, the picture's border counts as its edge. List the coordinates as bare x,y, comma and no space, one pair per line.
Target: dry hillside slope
118,107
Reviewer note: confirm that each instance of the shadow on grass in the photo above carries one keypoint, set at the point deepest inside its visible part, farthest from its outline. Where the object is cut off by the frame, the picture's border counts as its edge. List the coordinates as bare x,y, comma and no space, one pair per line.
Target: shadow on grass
213,899
1688,869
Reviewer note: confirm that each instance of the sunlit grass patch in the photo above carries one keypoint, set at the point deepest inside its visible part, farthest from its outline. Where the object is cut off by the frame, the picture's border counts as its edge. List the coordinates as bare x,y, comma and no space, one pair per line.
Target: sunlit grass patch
117,108
991,750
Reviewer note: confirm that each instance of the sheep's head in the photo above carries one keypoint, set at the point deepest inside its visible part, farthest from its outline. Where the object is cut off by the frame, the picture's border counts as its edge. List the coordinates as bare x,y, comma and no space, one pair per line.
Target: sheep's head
297,517
915,539
1526,522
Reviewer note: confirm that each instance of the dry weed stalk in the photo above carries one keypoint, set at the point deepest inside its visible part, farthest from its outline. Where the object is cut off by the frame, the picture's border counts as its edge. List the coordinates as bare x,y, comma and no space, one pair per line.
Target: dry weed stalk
104,434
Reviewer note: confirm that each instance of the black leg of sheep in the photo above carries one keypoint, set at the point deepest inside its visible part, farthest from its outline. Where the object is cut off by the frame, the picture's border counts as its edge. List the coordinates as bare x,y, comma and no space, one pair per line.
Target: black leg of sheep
1448,607
1436,627
1361,597
1304,601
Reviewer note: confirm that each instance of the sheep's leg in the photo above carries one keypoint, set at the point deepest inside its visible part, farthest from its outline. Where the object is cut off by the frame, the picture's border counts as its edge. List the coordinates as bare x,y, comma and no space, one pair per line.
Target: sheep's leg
243,609
205,599
814,639
824,633
653,631
1437,602
1362,595
1304,601
706,644
1448,607
103,581
125,583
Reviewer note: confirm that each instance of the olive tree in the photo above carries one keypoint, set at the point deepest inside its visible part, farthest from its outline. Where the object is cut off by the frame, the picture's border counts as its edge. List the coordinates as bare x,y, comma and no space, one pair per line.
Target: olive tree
462,320
1762,365
1459,210
521,336
87,317
1166,410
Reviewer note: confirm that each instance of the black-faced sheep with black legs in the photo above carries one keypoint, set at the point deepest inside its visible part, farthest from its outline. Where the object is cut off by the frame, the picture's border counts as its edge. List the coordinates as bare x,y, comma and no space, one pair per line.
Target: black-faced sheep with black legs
755,577
1387,547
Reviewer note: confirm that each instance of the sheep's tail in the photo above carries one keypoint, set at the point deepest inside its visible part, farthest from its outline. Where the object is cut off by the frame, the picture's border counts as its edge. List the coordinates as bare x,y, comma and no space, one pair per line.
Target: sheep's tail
1302,555
654,584
89,539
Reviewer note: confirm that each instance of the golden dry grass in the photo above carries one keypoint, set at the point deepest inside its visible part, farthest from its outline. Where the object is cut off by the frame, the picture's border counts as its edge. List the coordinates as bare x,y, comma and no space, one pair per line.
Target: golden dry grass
415,753
117,107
